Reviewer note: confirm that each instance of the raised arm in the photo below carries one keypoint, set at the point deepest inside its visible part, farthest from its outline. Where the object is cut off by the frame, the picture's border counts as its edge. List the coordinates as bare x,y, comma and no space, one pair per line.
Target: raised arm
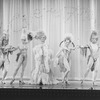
84,50
86,46
73,46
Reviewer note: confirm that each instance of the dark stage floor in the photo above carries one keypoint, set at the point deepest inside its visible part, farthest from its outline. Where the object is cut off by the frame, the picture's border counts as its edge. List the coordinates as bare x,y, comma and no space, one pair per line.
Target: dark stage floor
60,91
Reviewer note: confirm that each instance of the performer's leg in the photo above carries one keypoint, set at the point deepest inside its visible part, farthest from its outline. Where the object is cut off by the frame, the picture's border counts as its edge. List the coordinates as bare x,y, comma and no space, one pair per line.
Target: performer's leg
39,79
19,65
94,76
4,75
88,70
66,74
66,77
86,74
95,71
5,70
23,69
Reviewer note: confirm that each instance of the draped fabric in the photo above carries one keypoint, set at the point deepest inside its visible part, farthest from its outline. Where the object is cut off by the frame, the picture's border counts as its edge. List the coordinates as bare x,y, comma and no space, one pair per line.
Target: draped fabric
56,18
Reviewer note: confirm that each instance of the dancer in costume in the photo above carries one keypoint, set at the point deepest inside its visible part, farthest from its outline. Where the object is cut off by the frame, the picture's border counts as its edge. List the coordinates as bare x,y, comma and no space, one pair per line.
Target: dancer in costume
26,37
42,58
93,58
63,57
5,50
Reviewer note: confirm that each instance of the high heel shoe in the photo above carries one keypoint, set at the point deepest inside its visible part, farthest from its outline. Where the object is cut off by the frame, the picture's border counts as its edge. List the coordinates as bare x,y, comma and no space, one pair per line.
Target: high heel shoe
67,83
82,82
21,82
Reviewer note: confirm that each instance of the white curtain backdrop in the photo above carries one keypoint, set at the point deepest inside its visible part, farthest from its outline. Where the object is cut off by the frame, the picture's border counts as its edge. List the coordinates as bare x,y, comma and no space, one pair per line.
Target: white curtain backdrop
55,18
1,20
1,16
13,11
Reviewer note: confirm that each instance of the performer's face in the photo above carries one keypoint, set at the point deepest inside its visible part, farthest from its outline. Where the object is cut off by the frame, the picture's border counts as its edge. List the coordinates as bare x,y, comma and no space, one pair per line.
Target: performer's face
24,41
67,42
94,39
43,39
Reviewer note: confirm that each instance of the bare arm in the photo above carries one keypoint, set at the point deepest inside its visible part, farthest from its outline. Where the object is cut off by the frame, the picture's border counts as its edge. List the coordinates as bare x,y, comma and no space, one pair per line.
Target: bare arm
87,46
73,46
59,52
84,50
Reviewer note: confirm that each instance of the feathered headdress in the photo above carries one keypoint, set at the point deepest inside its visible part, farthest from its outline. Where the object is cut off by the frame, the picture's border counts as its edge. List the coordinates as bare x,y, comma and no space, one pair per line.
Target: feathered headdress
40,34
68,36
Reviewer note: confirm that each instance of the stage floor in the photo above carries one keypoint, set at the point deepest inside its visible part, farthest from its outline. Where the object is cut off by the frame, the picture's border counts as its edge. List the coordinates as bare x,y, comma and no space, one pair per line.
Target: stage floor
73,85
59,91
